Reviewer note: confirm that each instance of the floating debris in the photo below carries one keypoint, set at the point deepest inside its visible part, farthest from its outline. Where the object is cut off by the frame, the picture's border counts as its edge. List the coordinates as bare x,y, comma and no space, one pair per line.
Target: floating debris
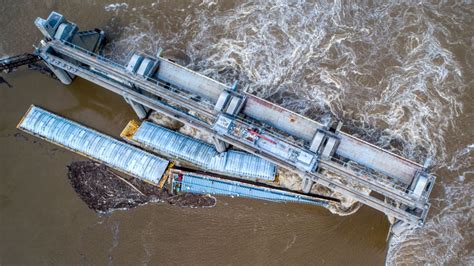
104,191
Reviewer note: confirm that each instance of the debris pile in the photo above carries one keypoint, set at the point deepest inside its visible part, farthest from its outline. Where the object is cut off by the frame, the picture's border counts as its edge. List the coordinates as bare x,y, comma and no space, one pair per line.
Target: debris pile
104,191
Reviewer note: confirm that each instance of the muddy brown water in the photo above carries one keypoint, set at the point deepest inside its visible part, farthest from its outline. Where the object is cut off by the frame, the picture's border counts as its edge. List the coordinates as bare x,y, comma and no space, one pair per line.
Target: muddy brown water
405,69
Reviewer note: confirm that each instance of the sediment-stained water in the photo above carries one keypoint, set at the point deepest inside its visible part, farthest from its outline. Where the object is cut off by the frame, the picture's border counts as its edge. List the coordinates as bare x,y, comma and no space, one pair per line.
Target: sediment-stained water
399,75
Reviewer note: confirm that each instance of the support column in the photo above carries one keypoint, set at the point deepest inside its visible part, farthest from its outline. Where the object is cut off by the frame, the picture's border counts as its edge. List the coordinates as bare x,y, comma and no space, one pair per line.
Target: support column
399,227
62,75
139,109
306,185
220,145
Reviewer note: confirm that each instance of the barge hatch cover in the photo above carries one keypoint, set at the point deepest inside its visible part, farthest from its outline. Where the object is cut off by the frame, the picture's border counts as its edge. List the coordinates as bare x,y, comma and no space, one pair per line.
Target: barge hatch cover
204,184
204,155
94,145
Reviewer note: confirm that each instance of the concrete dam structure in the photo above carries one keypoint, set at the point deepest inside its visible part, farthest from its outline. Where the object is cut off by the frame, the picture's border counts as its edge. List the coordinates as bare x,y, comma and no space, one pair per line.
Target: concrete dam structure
399,187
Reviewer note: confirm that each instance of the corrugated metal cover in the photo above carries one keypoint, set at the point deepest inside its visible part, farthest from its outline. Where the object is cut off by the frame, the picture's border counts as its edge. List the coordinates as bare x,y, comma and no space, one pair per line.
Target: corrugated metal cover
189,80
93,144
200,184
234,163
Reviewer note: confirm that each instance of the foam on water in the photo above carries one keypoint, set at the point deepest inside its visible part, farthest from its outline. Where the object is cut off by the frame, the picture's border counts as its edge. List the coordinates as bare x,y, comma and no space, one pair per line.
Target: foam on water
447,236
116,6
393,73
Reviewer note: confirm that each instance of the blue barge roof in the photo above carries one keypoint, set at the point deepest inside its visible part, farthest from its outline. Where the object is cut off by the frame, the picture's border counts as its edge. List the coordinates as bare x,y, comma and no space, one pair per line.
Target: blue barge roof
204,184
232,163
94,145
